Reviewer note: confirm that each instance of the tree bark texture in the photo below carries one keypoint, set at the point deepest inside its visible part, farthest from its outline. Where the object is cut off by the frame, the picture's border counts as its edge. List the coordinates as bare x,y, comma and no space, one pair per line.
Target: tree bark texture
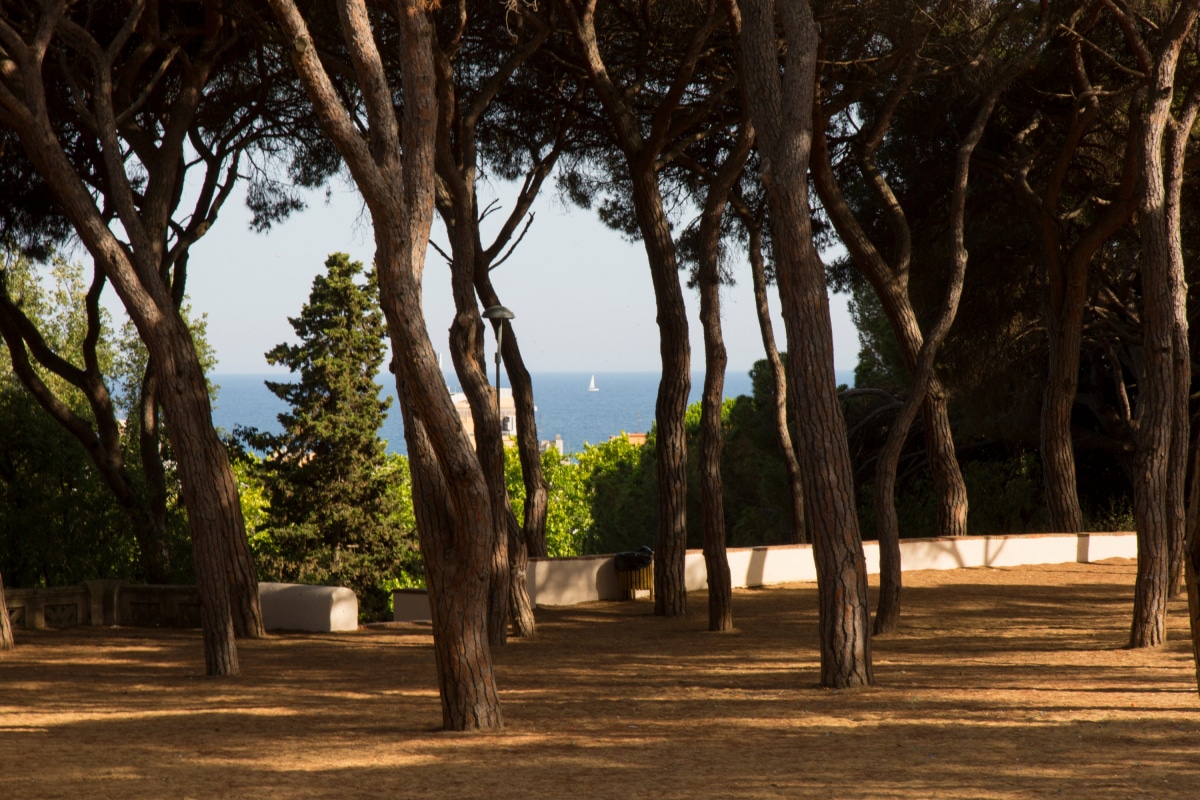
758,276
890,282
782,110
224,570
6,634
393,164
1162,396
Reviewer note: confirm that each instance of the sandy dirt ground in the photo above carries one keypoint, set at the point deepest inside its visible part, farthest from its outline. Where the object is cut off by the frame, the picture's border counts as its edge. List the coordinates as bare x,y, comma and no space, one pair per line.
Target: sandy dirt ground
1002,684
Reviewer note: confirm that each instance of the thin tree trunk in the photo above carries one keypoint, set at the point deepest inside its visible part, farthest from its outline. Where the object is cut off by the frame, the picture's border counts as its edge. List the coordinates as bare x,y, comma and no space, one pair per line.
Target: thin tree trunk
1067,277
6,634
887,616
670,407
758,275
712,500
642,139
782,110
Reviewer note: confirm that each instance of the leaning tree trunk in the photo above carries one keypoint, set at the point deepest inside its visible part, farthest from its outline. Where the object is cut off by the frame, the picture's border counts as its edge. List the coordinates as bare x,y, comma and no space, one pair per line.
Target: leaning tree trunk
781,107
396,174
758,274
6,634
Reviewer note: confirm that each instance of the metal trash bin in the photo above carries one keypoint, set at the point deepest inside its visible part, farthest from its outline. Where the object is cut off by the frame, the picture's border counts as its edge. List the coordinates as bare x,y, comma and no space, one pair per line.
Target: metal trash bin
635,572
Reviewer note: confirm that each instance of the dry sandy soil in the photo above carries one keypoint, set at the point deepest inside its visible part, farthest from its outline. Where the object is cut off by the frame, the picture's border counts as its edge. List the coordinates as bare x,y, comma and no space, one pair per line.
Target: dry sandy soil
1002,684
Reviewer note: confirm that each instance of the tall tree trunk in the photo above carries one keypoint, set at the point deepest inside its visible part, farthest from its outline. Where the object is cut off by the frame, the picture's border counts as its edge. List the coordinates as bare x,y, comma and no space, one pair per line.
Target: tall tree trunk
708,277
1157,495
396,174
758,275
782,110
642,138
6,634
670,407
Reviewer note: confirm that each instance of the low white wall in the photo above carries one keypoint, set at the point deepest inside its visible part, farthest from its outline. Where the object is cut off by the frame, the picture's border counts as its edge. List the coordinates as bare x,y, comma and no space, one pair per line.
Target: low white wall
295,607
567,581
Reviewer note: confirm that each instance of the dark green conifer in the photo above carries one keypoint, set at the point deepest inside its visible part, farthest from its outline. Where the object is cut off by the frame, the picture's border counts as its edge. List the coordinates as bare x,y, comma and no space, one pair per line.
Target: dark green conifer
334,518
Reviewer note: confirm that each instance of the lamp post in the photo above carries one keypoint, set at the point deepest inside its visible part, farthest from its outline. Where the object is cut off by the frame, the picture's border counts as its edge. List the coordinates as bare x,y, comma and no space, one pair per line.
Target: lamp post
497,314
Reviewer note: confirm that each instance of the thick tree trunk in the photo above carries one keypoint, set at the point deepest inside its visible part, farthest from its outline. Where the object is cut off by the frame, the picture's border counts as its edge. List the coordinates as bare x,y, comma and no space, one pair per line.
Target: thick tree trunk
758,276
781,106
458,591
6,634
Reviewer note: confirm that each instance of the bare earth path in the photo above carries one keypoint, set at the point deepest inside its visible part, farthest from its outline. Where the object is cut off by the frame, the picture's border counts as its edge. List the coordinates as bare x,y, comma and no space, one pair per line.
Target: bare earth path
1002,684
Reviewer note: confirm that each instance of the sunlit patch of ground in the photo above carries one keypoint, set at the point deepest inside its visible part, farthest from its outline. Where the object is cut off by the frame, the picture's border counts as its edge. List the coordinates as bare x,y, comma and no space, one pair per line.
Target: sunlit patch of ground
1003,683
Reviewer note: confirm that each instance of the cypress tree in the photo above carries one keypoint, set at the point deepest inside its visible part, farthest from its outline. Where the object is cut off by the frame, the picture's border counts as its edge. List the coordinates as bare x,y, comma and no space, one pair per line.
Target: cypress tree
334,517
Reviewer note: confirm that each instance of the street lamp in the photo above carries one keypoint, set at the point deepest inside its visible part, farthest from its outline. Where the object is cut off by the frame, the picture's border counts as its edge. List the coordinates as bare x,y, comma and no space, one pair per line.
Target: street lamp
497,314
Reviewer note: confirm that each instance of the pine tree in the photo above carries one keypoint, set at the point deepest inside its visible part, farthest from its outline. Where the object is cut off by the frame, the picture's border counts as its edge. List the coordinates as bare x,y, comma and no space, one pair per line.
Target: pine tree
334,517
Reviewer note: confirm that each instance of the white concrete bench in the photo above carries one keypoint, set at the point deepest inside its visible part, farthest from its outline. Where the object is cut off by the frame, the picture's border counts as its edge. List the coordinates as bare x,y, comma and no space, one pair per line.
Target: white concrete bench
295,607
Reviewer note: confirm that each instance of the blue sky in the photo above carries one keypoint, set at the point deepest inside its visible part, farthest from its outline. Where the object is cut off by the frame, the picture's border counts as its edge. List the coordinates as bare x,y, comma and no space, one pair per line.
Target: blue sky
582,294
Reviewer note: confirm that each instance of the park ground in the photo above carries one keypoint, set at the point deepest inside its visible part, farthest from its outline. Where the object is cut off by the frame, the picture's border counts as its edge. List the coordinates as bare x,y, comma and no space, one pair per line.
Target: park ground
1003,683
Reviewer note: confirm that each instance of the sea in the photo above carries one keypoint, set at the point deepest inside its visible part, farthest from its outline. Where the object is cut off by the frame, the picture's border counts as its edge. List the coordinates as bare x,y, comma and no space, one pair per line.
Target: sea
622,402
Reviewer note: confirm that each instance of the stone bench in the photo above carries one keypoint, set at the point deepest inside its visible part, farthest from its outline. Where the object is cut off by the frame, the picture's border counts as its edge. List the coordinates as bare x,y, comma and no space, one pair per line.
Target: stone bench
320,609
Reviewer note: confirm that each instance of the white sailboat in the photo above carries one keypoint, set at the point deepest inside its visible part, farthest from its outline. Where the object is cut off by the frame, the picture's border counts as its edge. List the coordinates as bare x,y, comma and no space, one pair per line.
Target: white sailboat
592,385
